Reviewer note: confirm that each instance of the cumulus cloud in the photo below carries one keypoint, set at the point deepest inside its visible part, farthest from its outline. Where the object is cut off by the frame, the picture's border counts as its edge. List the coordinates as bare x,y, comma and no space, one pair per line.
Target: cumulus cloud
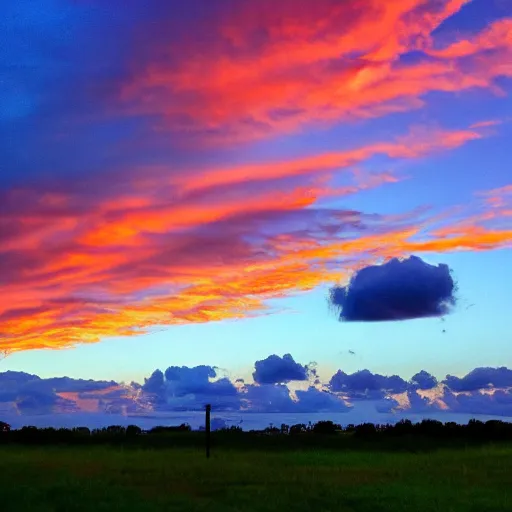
481,378
190,388
423,380
268,398
497,403
316,400
274,398
197,380
31,394
181,389
397,290
278,370
155,383
365,384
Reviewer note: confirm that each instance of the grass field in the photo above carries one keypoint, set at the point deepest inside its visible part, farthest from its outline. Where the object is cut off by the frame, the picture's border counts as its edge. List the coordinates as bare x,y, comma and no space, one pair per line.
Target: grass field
116,479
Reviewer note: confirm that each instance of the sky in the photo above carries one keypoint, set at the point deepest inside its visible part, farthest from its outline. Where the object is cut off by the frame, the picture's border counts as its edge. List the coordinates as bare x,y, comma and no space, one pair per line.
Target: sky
215,184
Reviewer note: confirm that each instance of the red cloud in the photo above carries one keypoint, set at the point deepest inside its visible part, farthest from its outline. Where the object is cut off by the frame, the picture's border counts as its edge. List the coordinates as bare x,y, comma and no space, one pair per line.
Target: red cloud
268,67
164,250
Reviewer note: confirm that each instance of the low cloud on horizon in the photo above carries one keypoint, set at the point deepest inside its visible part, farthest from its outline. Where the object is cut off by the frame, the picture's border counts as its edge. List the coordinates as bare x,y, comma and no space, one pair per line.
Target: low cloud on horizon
483,391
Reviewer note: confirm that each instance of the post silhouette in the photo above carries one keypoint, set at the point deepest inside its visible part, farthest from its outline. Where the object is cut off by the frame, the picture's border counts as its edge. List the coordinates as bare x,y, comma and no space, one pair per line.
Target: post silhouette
207,429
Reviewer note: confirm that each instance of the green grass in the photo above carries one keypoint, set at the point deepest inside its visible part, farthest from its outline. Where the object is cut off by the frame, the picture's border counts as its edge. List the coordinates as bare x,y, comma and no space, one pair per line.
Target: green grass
112,479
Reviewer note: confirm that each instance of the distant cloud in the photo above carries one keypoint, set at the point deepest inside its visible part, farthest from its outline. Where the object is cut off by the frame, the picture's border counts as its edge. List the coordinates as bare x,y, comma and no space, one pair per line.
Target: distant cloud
268,398
315,400
275,398
365,384
181,381
498,403
182,388
154,383
423,380
481,378
190,388
278,370
397,290
34,395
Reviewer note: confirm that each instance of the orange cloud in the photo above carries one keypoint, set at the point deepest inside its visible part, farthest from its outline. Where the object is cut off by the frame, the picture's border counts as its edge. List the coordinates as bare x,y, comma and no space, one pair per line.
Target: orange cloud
499,197
275,68
85,266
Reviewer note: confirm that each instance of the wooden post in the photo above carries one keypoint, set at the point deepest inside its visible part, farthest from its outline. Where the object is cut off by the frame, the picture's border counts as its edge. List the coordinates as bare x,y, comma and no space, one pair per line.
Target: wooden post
207,430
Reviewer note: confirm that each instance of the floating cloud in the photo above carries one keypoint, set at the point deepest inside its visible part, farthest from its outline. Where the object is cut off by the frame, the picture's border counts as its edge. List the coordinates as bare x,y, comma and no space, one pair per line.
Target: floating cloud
396,290
278,370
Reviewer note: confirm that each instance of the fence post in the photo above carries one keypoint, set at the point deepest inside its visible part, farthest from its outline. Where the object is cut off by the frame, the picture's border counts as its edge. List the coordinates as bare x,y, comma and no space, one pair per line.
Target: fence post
207,430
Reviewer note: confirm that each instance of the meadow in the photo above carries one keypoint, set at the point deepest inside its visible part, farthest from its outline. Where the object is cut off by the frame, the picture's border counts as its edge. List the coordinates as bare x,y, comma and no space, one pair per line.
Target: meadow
117,478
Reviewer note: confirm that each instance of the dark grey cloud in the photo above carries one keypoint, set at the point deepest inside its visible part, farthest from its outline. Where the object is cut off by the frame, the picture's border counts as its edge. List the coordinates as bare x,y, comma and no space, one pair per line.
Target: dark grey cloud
365,384
154,383
190,388
182,388
316,400
420,404
481,378
396,290
267,398
274,398
279,370
423,380
33,394
499,403
69,385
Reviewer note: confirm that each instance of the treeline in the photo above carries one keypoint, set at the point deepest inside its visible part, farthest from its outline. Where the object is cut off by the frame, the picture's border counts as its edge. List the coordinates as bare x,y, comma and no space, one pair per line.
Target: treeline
404,435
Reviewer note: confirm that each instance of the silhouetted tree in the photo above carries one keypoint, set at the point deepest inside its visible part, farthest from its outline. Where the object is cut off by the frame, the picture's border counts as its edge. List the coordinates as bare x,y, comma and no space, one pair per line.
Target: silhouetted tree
133,431
365,430
325,427
300,428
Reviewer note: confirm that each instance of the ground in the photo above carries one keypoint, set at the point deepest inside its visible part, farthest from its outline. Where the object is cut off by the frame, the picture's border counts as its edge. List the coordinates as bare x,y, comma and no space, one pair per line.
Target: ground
117,479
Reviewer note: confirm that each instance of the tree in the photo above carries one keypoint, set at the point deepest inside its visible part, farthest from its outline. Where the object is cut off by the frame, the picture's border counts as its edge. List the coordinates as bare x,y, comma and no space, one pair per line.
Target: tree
325,427
4,427
133,431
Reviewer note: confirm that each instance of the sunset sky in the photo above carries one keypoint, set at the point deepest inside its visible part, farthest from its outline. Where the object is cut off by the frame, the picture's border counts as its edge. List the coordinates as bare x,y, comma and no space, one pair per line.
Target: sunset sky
182,183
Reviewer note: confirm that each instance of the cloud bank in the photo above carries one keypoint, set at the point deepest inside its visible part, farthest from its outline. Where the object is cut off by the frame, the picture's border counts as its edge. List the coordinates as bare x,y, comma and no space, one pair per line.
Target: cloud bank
181,389
397,290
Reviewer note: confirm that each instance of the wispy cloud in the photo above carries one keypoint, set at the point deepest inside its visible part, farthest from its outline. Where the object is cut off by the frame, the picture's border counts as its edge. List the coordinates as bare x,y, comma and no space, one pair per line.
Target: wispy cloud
351,52
85,265
116,219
